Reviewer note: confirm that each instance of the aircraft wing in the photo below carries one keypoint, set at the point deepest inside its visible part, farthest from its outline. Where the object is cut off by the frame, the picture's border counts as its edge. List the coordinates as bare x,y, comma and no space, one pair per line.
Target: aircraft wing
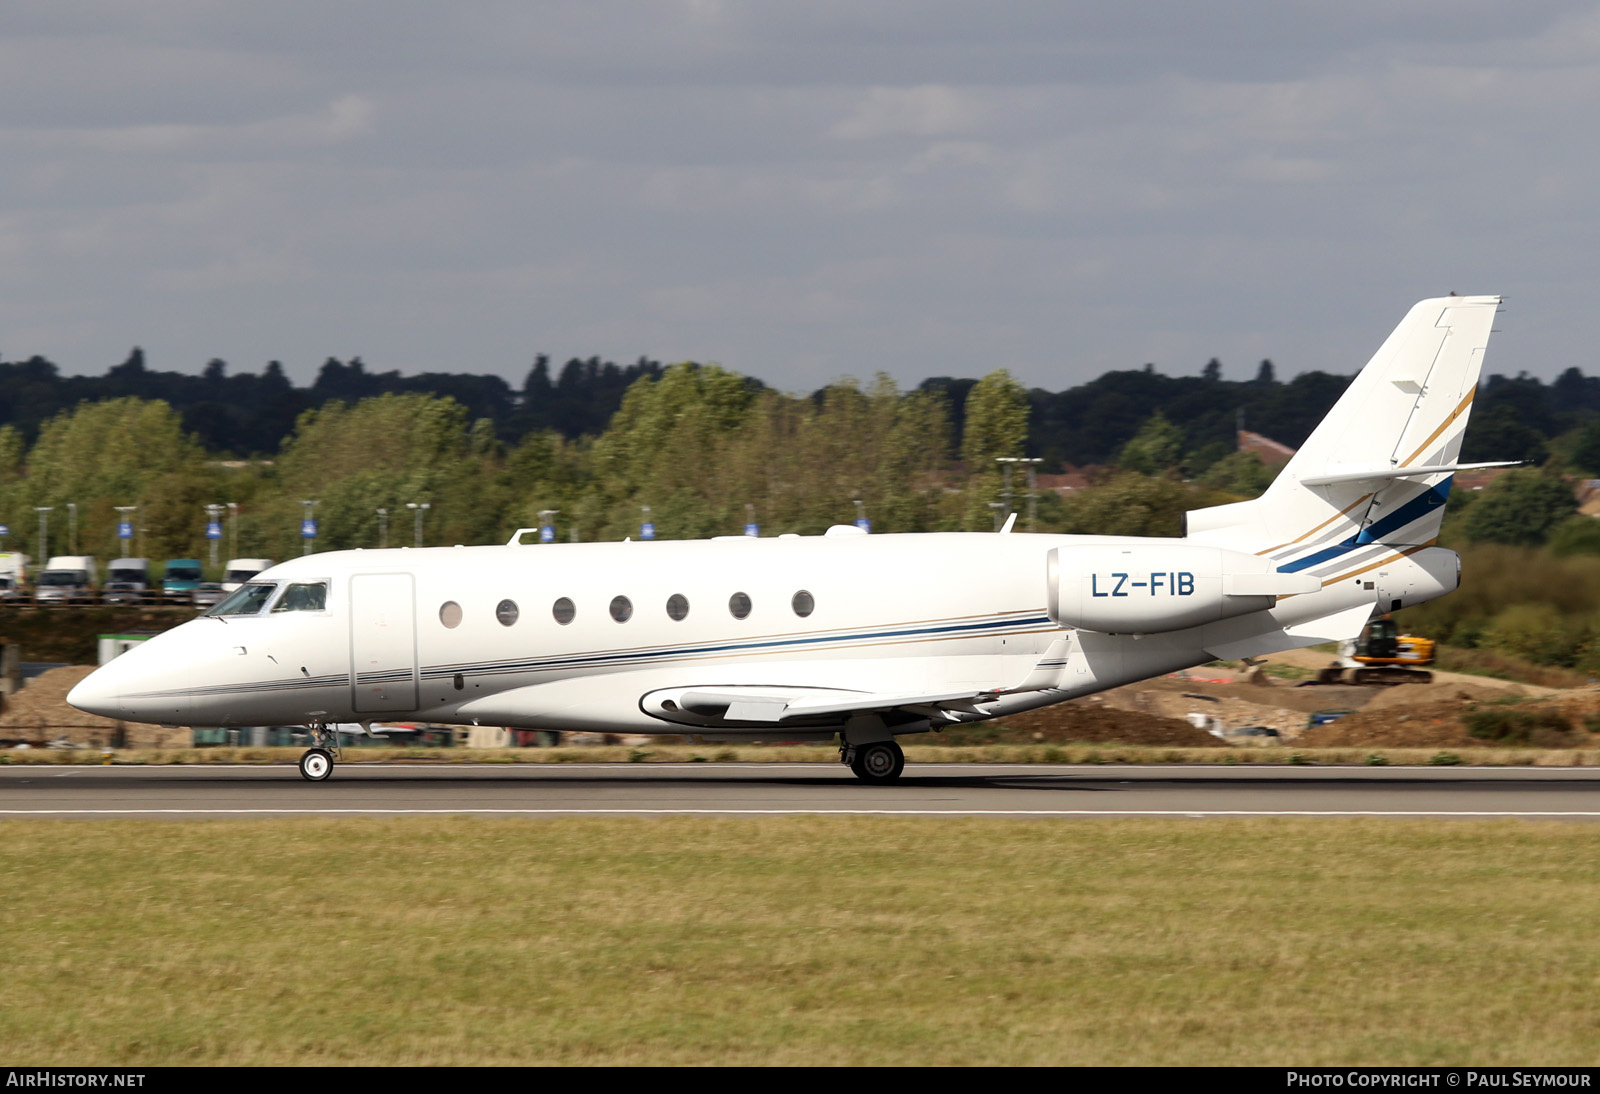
780,705
786,705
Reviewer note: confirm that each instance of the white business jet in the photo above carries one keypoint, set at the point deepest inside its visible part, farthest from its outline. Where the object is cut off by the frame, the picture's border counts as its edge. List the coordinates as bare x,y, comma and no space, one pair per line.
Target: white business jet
863,637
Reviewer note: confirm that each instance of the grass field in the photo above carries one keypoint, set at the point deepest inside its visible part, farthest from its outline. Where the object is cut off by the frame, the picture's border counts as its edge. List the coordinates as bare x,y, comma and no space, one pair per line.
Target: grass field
801,940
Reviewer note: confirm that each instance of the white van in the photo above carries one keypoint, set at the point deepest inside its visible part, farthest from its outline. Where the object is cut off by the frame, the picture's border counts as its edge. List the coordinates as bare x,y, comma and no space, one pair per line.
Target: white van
13,574
241,570
127,581
67,579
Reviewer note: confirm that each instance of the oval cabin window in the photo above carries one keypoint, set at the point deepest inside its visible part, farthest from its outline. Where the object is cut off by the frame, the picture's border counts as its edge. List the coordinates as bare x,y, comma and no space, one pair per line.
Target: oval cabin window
506,612
678,606
621,609
563,611
803,604
739,605
450,614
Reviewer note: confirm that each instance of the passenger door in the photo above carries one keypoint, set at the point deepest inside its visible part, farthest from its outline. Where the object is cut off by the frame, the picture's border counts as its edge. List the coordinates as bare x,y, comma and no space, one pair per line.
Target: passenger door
383,643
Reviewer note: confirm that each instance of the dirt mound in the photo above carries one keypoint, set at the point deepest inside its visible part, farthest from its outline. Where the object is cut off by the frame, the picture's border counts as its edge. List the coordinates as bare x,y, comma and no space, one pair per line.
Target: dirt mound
1443,721
1435,725
43,703
40,713
1421,696
1092,722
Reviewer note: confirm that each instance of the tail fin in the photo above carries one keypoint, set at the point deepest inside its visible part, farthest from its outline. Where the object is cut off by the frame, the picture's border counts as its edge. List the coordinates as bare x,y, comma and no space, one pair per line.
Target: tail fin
1374,476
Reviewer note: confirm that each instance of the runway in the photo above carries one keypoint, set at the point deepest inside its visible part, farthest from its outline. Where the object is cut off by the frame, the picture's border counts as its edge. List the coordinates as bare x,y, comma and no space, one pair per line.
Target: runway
1063,791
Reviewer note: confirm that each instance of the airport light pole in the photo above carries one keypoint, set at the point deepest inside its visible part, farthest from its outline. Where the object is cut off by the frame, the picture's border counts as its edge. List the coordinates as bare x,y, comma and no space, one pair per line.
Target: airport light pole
125,525
44,531
308,527
417,510
861,515
233,529
72,527
383,527
1033,463
647,527
547,525
213,529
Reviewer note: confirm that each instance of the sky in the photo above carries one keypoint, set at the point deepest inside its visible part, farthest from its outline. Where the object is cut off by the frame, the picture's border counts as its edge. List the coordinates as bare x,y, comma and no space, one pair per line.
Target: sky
799,191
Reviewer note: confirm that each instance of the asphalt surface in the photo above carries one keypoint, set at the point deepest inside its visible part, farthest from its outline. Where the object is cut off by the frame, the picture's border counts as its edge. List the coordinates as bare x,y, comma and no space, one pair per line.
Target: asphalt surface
202,792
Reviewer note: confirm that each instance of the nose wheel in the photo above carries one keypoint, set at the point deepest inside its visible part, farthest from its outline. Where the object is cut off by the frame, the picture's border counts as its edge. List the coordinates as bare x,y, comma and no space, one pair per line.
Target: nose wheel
316,764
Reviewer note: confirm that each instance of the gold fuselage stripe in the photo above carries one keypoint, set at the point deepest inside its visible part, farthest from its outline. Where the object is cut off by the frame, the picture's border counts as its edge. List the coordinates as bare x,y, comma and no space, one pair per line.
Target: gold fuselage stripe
1381,562
1318,528
1461,408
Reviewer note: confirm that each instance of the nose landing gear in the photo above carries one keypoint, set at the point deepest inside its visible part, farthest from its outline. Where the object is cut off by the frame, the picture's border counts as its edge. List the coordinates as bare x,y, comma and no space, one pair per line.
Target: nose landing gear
316,764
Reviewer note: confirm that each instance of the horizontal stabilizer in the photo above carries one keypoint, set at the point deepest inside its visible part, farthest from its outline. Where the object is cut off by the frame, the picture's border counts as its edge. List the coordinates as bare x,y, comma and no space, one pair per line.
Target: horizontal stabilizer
1384,474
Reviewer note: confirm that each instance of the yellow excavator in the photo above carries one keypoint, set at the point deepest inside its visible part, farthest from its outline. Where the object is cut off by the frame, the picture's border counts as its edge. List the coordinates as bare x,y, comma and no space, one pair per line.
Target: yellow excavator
1381,655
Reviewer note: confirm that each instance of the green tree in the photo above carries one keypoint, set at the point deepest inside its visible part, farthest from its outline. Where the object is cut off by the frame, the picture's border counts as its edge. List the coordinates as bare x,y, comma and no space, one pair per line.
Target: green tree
1130,504
1239,473
1501,434
1577,535
1585,453
996,425
384,452
1519,508
1156,449
110,449
11,453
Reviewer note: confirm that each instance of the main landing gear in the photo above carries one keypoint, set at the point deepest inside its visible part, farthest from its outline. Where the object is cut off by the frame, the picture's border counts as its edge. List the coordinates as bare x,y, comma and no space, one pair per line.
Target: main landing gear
879,762
316,764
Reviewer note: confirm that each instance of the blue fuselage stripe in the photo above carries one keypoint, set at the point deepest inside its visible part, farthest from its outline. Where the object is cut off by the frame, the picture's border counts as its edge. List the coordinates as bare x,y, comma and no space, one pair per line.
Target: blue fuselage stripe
1412,511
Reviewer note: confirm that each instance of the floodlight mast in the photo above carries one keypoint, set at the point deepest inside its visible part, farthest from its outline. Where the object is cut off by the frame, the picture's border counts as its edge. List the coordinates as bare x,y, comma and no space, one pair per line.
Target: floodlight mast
308,529
417,509
1032,463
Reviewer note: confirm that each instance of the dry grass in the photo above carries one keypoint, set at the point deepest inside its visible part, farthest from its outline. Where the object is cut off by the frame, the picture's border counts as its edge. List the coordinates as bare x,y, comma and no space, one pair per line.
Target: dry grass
799,941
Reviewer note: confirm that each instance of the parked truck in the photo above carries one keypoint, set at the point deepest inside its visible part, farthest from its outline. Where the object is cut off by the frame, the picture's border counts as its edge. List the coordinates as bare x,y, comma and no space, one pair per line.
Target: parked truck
127,581
181,579
67,579
241,570
13,574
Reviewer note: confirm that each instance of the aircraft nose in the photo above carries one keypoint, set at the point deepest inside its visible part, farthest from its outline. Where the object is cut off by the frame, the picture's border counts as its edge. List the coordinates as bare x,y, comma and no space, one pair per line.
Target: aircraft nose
97,693
135,687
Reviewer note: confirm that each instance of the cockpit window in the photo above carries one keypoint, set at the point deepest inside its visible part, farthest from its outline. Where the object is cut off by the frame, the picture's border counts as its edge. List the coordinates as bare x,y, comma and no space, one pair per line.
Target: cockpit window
303,596
245,600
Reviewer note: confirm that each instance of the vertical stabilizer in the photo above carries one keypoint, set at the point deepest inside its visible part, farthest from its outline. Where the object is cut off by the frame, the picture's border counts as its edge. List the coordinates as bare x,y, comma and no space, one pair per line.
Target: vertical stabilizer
1372,479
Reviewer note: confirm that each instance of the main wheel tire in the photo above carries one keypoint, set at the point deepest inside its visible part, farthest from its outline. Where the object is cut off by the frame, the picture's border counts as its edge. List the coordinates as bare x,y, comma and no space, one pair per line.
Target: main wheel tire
316,764
879,762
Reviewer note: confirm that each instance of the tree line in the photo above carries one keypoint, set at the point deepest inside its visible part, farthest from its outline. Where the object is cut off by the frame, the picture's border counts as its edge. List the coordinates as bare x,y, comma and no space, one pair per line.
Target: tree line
244,414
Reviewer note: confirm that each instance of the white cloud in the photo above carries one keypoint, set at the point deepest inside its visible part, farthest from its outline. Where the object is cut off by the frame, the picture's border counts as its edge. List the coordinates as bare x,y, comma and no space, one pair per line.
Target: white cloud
931,110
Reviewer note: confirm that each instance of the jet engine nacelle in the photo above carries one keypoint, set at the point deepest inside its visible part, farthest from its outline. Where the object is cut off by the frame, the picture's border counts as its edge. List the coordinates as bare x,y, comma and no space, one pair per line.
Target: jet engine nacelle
1161,587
